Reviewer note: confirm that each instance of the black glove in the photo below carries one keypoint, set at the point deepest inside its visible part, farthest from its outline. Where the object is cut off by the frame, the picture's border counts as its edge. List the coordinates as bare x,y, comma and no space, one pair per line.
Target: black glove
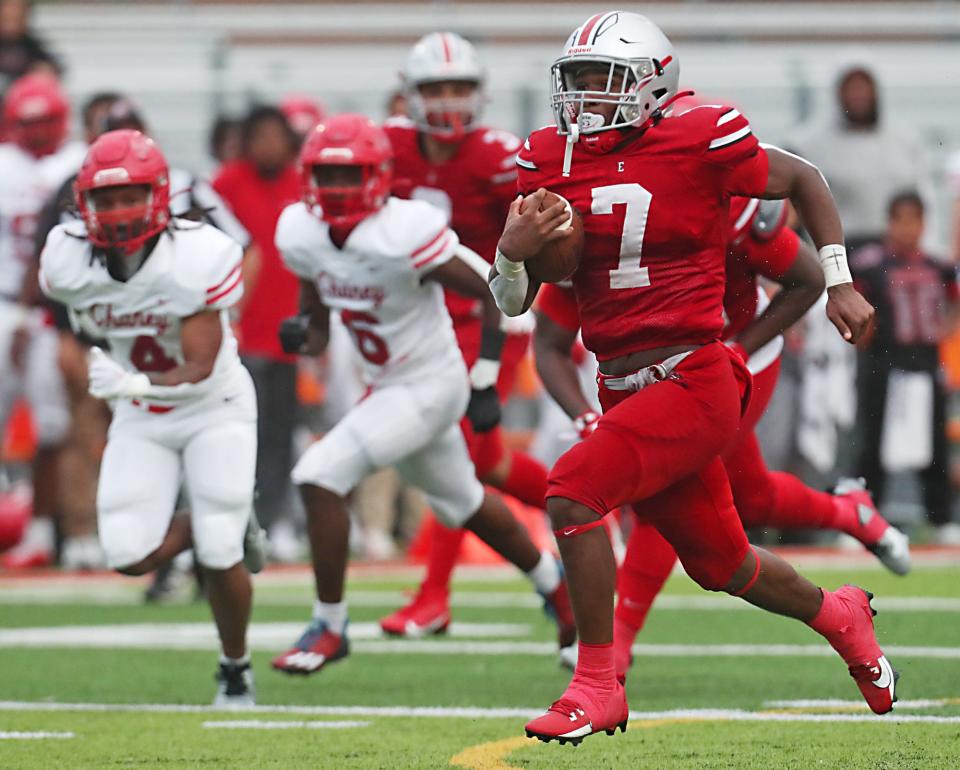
483,411
293,333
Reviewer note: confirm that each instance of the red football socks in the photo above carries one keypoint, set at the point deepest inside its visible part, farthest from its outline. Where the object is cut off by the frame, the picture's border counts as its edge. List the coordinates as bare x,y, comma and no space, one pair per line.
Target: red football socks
444,550
797,506
527,480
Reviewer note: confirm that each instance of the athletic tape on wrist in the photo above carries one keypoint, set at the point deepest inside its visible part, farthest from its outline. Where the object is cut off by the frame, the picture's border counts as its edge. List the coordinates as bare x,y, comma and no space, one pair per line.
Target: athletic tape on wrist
833,260
508,268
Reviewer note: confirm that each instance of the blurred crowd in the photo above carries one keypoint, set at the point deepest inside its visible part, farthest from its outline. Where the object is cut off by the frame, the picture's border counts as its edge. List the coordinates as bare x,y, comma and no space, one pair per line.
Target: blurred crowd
888,405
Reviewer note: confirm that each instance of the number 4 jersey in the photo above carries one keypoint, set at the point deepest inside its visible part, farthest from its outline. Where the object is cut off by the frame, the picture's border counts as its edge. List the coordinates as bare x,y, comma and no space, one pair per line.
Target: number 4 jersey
655,213
193,268
398,322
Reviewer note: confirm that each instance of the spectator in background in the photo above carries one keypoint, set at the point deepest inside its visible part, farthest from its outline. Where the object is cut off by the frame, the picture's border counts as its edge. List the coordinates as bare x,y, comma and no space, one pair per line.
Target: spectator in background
902,400
226,140
20,50
397,104
258,186
864,158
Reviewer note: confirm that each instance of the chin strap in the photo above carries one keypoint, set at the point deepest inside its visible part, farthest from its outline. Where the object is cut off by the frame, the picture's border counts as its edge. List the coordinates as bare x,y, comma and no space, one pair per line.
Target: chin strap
572,138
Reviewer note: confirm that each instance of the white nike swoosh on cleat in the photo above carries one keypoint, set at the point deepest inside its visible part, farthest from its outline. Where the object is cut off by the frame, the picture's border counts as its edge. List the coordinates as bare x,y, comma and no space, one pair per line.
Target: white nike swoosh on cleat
885,680
587,729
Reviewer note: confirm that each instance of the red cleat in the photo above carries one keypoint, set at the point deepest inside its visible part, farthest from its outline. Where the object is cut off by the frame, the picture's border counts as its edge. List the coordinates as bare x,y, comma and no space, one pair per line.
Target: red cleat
557,606
316,648
571,719
427,613
887,543
857,644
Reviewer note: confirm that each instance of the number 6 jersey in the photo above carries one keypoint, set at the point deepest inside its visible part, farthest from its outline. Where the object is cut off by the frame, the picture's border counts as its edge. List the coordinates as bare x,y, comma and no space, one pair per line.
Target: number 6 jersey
655,214
398,322
192,268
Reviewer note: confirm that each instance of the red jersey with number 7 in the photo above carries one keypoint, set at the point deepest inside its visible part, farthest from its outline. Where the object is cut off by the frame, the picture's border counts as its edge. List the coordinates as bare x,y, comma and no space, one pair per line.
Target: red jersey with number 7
655,213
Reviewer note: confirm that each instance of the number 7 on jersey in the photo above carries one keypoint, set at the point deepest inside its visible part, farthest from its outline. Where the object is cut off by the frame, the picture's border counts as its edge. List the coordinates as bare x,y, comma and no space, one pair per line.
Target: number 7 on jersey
628,274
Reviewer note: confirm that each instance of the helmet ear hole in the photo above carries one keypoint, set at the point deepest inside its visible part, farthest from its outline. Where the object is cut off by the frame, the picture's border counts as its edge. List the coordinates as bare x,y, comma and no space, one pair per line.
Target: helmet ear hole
660,93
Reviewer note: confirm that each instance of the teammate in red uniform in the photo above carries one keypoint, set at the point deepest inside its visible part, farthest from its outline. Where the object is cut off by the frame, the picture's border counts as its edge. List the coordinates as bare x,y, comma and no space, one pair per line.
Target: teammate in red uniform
654,195
444,156
759,244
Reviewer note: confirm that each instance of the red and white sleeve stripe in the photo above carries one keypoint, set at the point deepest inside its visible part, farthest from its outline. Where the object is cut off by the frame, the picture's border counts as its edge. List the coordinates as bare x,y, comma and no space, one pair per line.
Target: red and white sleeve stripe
731,128
434,252
228,291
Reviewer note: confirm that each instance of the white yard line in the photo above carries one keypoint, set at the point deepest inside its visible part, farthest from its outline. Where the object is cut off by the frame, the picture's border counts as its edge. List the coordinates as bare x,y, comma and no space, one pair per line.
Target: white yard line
437,712
203,636
837,703
364,639
39,593
262,724
17,736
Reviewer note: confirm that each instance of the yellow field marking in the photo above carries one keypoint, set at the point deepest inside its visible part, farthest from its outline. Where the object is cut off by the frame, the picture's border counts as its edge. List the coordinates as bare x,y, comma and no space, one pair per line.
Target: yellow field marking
490,756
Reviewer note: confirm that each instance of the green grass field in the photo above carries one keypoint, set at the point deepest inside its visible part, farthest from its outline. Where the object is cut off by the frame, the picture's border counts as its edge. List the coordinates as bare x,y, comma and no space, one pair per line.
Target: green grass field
91,678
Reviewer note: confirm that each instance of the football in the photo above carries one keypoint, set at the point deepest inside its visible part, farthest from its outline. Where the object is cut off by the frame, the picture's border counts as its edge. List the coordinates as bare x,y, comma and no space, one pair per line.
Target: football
558,260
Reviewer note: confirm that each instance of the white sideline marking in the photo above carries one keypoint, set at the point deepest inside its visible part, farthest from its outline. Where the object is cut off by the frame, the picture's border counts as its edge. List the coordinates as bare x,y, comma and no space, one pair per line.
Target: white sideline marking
262,724
834,703
203,636
273,636
15,736
437,712
118,595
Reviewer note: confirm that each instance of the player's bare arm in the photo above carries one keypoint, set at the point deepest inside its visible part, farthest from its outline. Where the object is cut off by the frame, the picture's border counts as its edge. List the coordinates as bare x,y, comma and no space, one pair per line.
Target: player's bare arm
525,233
558,372
307,334
794,178
463,278
200,336
801,286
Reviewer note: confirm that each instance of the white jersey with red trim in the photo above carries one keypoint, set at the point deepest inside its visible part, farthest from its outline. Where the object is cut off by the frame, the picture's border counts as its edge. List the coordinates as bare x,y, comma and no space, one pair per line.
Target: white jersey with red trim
26,184
398,321
193,268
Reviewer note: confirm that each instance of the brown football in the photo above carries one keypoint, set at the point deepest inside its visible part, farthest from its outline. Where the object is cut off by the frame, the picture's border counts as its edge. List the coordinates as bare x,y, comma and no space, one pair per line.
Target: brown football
558,260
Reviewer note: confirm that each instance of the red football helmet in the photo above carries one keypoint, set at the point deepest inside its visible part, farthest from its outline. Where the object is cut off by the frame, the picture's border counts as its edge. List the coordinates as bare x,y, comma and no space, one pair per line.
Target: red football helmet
121,158
35,112
347,140
303,113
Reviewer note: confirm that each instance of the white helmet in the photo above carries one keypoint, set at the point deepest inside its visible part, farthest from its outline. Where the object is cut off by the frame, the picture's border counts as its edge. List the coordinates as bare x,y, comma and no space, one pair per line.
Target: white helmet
441,57
635,51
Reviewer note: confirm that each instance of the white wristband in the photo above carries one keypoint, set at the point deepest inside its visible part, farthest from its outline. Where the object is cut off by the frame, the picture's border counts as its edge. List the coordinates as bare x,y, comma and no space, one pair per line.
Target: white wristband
508,268
833,260
484,374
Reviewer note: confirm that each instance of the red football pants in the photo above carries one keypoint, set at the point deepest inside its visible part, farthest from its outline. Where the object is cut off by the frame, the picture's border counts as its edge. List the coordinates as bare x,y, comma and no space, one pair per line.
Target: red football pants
659,449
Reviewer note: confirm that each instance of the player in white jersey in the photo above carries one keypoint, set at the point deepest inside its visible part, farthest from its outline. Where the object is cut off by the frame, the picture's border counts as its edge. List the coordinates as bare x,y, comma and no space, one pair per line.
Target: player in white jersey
158,291
33,164
382,263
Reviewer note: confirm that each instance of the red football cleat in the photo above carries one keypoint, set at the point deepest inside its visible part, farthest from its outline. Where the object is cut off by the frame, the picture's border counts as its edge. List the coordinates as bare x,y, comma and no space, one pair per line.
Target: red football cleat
570,719
887,543
857,645
428,613
317,647
557,606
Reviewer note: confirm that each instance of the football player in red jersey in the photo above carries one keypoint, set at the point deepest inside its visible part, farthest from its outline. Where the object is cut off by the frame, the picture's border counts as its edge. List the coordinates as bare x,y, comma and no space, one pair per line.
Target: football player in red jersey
760,245
653,191
446,157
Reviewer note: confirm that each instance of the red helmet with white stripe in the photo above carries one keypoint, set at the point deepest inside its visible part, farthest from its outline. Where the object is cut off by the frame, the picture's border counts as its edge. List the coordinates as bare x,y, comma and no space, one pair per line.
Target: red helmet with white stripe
346,169
123,158
35,111
641,66
443,57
